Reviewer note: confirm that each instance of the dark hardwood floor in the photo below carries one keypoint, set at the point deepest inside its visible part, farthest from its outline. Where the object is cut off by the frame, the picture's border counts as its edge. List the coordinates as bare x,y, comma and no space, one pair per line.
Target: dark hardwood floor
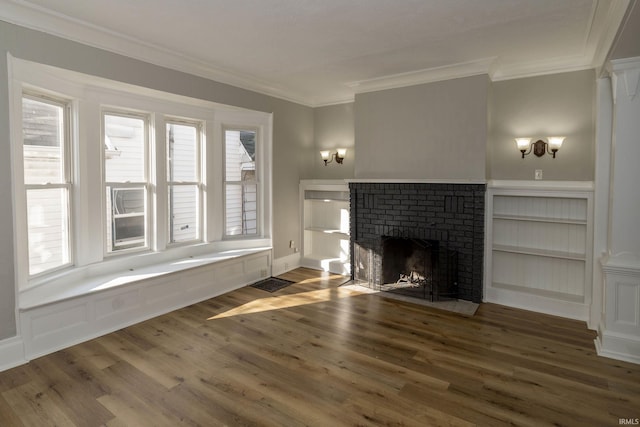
315,354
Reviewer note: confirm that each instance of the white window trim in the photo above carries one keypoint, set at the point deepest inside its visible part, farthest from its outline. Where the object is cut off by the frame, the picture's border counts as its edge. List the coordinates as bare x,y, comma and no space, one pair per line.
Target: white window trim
258,181
89,96
145,183
201,168
262,124
68,184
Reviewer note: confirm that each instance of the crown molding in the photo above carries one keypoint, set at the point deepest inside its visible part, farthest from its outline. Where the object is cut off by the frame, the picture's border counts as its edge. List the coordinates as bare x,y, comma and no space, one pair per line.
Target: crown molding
428,75
605,20
34,17
540,68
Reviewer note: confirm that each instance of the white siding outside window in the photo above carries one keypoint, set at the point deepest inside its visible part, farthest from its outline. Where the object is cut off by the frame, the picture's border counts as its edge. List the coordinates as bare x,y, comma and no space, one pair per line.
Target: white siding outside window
184,182
241,185
126,182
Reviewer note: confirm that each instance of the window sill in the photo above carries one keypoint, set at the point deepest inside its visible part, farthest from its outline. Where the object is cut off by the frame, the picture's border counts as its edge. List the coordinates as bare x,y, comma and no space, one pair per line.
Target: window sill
83,281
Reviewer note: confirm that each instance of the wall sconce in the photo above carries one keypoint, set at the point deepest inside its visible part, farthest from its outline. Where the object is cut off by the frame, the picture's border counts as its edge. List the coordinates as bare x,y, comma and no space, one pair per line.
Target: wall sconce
540,147
338,156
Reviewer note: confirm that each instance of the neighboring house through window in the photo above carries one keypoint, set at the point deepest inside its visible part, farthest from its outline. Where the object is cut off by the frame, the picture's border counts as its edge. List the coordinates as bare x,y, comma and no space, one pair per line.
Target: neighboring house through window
184,182
241,184
126,181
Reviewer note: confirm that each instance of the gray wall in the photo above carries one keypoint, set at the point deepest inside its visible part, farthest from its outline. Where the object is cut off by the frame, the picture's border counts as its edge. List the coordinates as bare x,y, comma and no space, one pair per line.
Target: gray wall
292,132
436,130
333,128
7,284
536,107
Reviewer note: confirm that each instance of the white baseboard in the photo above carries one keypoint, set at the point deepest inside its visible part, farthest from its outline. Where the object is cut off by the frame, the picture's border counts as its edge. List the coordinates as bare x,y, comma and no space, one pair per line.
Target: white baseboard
11,353
284,264
618,346
537,303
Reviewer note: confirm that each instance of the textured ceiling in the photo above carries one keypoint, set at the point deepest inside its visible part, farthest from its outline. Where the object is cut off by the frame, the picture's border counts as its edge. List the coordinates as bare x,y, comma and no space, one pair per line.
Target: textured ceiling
319,52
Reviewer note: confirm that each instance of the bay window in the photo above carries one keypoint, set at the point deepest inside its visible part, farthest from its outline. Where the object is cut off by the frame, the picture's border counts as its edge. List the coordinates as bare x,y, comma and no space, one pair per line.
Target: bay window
103,169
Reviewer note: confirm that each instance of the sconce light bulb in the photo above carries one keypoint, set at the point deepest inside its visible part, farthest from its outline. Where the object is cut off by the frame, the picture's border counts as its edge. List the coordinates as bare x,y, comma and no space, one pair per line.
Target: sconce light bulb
555,142
523,143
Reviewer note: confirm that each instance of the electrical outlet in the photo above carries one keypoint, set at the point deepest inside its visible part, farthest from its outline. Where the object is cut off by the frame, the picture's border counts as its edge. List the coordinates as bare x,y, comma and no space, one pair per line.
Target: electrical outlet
538,174
292,244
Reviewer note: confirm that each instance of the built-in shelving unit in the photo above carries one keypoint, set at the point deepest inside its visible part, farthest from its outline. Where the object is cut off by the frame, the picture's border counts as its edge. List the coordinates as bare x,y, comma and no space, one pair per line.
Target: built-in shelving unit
325,236
539,240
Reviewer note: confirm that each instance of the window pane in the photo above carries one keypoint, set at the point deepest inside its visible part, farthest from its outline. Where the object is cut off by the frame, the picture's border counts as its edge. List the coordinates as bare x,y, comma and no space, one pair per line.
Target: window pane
183,153
183,212
48,228
124,144
126,216
240,155
43,136
241,209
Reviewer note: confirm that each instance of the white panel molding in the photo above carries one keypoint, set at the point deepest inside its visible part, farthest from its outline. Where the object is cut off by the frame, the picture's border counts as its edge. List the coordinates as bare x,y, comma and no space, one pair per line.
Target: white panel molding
60,324
11,353
619,332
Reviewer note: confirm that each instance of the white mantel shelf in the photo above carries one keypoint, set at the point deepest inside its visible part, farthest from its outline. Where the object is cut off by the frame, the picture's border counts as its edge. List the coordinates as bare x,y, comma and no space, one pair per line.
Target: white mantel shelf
541,185
415,181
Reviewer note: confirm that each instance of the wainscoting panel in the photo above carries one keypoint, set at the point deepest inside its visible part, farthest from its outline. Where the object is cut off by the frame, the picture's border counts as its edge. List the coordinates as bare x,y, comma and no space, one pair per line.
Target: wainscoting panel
51,327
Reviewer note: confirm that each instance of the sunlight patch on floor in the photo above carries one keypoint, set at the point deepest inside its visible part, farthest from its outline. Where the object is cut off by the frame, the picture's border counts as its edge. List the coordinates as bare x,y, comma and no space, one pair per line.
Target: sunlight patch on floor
287,301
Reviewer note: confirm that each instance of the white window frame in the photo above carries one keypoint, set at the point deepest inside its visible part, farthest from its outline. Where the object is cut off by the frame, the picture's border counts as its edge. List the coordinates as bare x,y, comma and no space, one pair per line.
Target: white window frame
67,184
145,183
200,167
242,183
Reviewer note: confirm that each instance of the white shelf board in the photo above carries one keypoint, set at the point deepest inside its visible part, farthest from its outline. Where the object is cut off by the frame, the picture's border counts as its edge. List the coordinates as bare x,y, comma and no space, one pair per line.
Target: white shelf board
540,292
540,252
540,219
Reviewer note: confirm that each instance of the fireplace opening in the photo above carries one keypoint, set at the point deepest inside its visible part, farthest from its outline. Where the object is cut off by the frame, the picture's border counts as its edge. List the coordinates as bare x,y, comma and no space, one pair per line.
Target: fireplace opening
412,267
407,266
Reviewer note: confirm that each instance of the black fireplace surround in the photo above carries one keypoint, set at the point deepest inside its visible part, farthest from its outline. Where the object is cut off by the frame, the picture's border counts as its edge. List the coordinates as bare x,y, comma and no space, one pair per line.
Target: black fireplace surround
449,215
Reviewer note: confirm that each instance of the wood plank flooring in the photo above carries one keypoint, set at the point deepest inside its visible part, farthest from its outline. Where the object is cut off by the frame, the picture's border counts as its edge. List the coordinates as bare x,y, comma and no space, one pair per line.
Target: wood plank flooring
315,354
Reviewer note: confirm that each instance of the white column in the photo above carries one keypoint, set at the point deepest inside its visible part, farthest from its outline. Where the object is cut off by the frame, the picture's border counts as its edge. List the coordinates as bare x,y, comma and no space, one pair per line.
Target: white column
619,331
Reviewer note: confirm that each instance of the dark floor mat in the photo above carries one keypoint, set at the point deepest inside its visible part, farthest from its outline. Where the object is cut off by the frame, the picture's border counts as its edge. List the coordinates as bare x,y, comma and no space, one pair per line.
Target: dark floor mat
272,284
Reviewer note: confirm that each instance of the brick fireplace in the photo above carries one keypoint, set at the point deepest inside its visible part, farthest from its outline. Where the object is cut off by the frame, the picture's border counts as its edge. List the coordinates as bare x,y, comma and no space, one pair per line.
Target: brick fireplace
449,214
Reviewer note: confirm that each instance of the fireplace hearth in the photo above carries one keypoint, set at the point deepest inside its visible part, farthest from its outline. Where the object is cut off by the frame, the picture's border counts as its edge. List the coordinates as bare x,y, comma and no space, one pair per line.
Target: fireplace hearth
424,240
